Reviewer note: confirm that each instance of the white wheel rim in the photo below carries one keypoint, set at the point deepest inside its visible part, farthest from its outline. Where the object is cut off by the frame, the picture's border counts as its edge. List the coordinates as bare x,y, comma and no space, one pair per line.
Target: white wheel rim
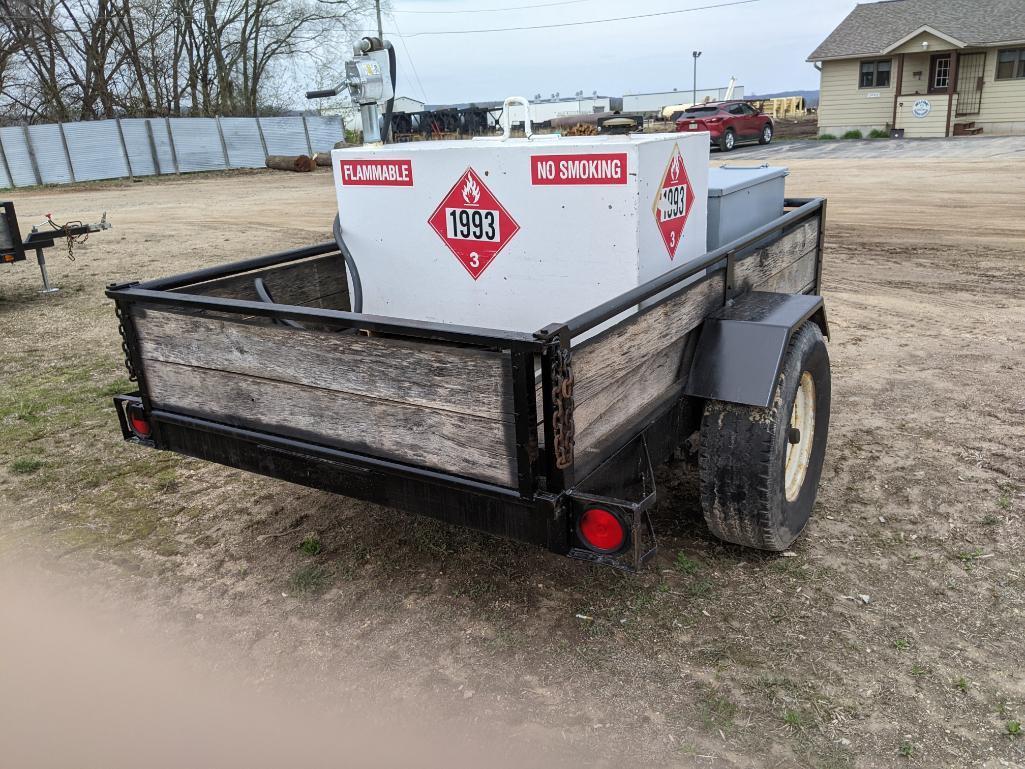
768,134
799,454
729,141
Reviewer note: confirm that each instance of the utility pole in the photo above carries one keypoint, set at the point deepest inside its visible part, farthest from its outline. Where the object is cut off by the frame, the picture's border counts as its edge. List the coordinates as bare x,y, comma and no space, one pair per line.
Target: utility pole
380,29
694,97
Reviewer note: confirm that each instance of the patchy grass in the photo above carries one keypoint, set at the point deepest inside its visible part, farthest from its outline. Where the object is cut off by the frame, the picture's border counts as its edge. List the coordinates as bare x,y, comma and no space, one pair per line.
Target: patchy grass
855,134
1014,728
309,580
718,711
686,564
902,644
968,557
907,749
26,465
794,719
311,545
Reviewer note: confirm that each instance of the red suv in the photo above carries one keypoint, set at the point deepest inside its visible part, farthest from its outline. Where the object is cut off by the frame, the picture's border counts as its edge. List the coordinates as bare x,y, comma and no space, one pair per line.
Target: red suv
728,122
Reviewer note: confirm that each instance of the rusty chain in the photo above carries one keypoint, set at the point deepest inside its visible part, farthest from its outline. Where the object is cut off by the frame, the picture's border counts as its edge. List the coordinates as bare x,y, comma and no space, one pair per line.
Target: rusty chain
65,231
562,398
124,342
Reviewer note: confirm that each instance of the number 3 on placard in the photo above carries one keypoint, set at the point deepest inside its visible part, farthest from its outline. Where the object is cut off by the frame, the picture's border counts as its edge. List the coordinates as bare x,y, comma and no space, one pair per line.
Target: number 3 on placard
474,259
672,239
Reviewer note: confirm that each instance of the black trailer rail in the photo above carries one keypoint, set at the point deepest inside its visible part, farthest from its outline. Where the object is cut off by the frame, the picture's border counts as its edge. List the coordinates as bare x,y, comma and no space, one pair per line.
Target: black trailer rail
515,434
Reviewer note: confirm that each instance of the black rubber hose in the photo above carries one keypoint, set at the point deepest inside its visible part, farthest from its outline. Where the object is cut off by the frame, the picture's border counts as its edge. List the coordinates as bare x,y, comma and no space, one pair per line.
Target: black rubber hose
357,286
386,134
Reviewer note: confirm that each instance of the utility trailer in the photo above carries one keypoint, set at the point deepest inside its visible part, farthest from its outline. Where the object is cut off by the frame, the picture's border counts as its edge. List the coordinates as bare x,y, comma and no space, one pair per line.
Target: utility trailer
549,437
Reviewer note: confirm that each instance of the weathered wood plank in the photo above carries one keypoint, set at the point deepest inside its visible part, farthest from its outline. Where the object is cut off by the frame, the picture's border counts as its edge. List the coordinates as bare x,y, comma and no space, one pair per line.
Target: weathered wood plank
793,278
457,379
599,416
318,282
457,443
622,373
605,359
755,269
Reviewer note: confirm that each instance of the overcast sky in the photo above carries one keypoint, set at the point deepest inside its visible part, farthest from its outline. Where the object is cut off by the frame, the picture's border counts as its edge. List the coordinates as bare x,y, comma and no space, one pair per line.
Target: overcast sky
764,44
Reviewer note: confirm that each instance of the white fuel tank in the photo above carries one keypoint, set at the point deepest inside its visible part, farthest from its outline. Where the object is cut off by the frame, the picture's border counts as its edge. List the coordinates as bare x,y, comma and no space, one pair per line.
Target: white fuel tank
517,234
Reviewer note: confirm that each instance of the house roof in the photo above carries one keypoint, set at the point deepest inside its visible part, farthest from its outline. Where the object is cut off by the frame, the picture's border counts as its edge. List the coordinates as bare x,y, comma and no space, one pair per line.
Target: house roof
876,28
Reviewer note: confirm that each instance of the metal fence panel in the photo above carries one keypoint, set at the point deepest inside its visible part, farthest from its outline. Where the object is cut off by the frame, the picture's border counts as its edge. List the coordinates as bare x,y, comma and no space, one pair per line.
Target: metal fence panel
324,132
198,144
16,150
242,137
140,153
5,180
162,138
95,149
284,135
50,155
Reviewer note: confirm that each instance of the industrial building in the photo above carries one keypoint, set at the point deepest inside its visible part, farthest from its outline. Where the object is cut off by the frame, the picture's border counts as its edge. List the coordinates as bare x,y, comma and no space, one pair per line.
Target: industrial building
656,100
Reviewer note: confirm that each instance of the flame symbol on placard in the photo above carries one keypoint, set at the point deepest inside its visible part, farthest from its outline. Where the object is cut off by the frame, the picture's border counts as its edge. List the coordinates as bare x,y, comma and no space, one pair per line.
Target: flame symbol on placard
471,192
674,168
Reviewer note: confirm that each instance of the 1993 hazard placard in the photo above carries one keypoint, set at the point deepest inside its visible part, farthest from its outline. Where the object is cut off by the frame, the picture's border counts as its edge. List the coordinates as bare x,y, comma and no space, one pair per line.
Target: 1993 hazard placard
673,202
473,224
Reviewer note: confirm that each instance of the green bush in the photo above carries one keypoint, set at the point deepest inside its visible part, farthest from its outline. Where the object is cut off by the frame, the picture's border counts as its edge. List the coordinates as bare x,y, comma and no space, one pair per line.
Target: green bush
827,138
878,134
855,134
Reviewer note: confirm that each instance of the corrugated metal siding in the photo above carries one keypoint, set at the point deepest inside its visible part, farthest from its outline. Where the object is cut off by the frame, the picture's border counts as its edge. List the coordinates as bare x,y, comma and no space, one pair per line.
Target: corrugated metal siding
198,144
162,139
284,135
137,141
324,132
95,150
243,140
18,159
5,180
50,155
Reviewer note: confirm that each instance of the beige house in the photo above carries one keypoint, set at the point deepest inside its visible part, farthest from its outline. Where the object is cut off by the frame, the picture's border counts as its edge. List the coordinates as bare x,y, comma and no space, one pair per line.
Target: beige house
927,67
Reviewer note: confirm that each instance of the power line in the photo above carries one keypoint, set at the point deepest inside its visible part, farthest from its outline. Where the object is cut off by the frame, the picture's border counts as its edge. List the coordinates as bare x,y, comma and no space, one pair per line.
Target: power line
578,23
412,66
498,10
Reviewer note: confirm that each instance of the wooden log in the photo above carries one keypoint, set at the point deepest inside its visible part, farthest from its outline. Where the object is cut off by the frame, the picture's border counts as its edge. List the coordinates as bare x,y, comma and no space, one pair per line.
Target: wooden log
322,159
300,163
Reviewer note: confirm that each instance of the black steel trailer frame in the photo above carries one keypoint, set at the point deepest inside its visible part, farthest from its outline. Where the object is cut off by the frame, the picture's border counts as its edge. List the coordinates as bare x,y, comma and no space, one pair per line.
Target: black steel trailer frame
549,496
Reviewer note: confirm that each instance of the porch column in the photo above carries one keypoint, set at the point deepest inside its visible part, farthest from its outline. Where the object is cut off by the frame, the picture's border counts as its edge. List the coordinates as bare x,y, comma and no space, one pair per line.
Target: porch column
952,89
898,85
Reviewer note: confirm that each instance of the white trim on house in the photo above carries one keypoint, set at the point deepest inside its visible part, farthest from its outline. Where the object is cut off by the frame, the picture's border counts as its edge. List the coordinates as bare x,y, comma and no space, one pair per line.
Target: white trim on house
925,29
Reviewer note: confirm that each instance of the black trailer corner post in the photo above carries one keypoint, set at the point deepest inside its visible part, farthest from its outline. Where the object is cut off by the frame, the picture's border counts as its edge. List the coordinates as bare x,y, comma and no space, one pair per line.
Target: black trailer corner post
611,408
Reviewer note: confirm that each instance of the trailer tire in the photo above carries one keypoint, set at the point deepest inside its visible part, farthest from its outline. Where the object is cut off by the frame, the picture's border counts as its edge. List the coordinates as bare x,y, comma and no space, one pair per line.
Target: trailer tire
757,487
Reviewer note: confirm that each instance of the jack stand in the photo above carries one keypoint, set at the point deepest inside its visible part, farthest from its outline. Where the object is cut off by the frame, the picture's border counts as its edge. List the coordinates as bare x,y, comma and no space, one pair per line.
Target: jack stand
47,288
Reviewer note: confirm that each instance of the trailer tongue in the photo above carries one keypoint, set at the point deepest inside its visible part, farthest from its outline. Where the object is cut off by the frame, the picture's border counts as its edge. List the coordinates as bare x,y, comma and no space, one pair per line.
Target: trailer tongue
508,335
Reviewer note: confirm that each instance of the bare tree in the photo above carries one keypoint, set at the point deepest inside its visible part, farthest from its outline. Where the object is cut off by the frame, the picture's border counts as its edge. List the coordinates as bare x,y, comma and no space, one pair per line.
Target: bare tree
84,59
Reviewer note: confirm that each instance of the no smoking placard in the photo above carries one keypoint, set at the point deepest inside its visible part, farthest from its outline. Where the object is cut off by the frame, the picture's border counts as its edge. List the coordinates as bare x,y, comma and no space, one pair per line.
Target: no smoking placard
473,224
673,202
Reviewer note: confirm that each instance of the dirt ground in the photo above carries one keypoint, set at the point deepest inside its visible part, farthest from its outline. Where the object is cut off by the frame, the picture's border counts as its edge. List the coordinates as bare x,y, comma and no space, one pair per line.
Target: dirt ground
893,637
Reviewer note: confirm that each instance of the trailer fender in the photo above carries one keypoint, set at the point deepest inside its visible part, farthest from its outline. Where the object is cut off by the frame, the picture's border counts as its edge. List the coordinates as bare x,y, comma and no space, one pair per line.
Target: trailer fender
741,347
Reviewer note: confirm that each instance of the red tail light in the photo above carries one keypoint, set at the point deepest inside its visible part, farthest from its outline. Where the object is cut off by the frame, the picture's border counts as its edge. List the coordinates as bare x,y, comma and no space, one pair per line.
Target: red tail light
139,422
601,530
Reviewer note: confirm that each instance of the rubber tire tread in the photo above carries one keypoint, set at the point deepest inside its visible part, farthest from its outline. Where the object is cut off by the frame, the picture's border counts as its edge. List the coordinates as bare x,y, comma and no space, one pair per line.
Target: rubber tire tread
742,455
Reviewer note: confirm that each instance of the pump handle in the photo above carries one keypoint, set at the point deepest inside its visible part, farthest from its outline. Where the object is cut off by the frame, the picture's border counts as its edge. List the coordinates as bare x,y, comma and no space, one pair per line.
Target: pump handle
322,94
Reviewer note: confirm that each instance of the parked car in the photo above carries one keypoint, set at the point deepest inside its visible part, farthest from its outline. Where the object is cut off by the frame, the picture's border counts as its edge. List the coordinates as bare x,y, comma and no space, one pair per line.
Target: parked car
728,123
